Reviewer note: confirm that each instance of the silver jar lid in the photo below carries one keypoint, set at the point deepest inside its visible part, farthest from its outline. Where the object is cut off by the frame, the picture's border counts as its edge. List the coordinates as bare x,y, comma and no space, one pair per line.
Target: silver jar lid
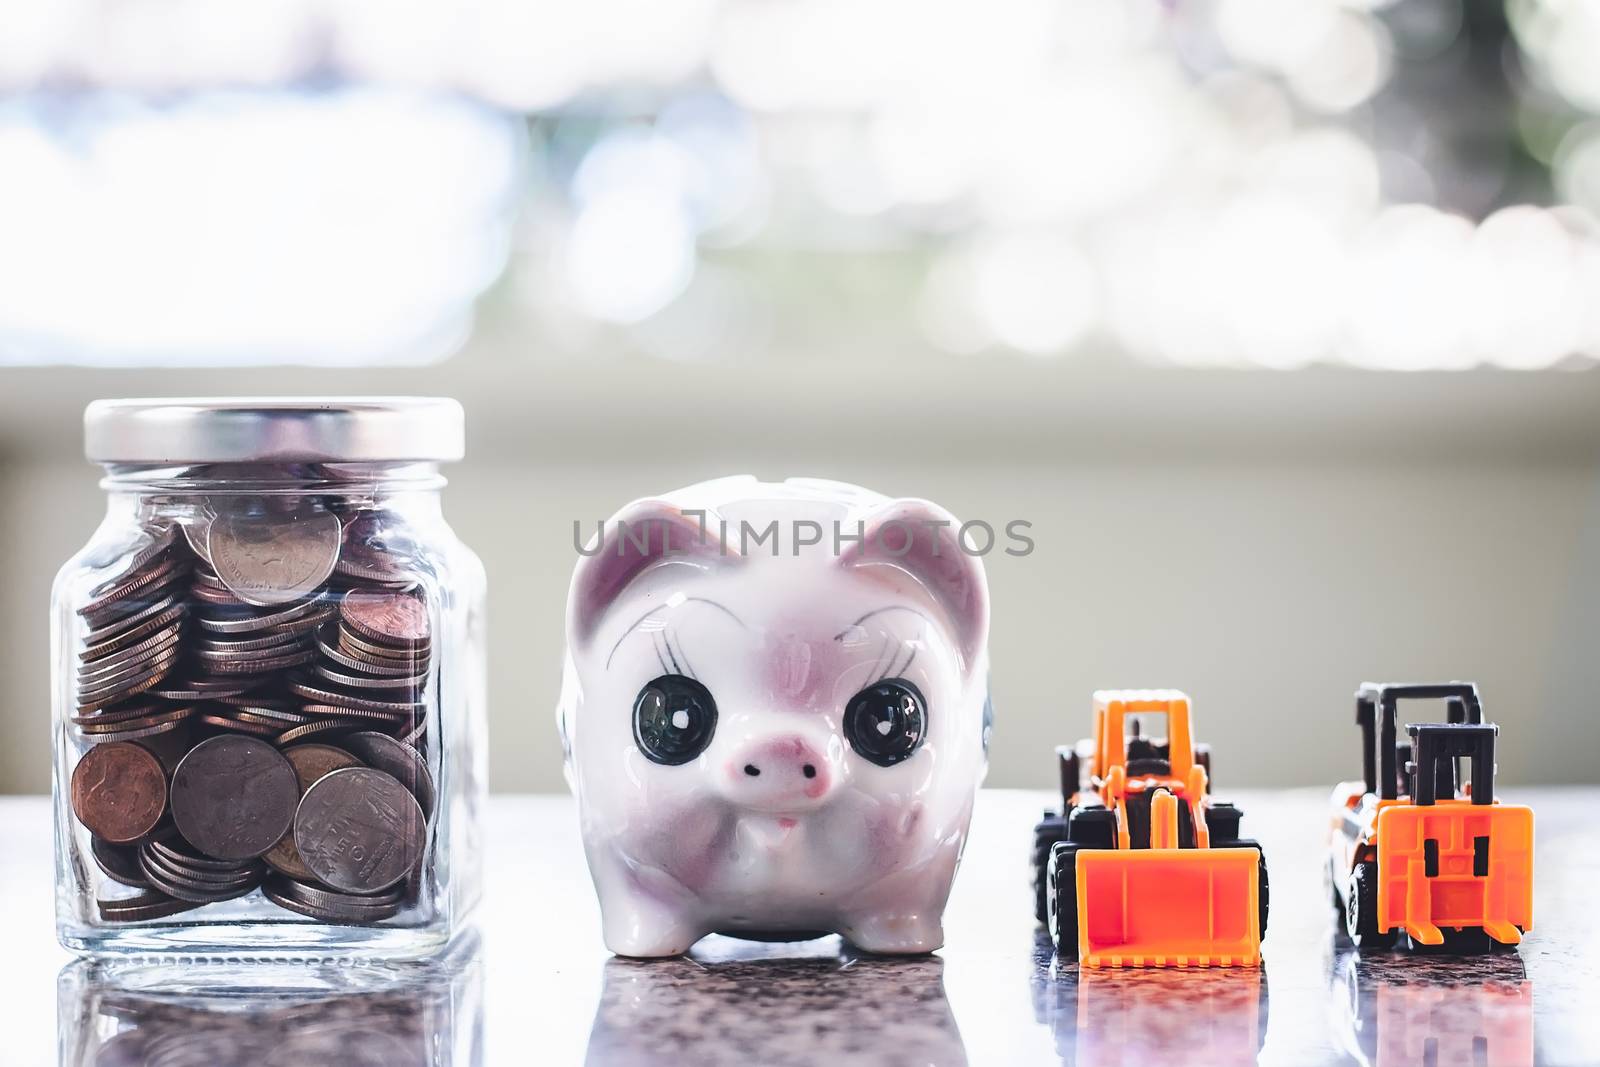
273,429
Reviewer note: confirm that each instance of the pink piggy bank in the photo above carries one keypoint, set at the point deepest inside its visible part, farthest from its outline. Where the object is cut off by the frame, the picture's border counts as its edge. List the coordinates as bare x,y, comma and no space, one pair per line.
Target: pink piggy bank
775,715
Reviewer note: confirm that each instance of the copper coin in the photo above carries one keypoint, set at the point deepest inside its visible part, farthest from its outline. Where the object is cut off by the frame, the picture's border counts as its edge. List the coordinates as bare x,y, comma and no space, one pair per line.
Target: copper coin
135,732
117,668
271,561
114,722
114,650
119,792
131,581
161,613
233,797
393,619
310,763
122,714
359,830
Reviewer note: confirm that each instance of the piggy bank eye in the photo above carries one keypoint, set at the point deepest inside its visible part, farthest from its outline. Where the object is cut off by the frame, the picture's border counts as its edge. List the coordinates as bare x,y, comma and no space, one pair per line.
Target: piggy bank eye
885,721
673,719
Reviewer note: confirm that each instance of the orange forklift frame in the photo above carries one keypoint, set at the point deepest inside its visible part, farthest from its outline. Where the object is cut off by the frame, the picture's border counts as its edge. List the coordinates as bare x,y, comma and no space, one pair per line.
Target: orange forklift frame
1449,854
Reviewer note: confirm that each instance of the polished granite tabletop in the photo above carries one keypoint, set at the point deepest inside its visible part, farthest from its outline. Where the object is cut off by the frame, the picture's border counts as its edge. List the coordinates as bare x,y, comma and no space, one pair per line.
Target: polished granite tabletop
535,986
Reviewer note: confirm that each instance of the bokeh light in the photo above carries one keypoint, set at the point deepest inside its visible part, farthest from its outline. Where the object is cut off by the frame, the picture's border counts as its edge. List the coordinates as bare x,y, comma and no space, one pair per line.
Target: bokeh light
1387,184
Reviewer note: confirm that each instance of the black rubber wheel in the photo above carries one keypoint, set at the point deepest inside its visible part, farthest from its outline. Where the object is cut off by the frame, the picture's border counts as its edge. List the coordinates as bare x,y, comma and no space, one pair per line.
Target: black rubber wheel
1062,884
1262,888
1361,909
1051,830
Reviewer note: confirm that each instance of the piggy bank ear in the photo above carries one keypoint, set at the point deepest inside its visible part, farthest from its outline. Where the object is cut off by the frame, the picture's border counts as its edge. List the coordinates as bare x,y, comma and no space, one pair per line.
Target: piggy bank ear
912,547
644,536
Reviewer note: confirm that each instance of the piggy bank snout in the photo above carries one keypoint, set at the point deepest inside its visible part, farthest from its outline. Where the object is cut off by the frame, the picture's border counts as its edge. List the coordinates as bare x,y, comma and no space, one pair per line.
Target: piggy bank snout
787,772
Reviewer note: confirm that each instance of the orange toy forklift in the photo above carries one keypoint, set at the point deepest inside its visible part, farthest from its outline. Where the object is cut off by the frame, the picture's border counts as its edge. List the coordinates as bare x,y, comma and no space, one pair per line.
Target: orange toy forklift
1414,848
1143,869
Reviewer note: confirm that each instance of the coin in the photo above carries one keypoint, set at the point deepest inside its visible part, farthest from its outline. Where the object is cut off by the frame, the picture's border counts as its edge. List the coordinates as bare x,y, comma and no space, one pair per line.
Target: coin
145,635
404,763
120,862
359,830
310,762
355,681
253,623
324,729
286,893
137,577
119,792
392,619
147,905
324,695
108,639
177,648
273,561
368,664
111,723
233,796
181,886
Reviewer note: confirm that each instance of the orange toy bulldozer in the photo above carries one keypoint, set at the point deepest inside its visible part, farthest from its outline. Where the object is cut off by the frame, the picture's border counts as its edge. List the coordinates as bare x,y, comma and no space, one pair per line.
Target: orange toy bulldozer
1414,848
1146,870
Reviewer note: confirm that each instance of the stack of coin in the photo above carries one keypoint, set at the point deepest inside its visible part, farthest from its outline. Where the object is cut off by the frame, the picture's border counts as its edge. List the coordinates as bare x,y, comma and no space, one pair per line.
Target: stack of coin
134,626
246,644
372,666
208,661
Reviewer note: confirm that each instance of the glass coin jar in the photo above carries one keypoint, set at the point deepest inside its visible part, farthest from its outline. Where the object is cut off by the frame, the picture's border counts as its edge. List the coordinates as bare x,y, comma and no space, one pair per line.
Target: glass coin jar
268,684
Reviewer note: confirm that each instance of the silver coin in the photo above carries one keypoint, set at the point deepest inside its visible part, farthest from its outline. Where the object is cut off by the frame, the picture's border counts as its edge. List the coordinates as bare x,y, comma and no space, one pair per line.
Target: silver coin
269,561
404,763
359,830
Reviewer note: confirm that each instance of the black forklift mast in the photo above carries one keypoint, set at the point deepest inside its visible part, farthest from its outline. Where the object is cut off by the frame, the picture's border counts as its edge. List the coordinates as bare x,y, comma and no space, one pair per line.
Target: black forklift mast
1437,746
1376,706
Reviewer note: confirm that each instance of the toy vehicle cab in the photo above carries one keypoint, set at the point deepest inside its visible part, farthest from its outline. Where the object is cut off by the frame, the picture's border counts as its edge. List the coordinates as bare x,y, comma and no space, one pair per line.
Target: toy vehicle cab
1415,848
1141,867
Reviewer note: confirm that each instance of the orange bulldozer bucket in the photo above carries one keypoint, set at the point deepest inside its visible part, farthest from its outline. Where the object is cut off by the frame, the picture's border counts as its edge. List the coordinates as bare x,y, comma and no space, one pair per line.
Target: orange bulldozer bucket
1168,907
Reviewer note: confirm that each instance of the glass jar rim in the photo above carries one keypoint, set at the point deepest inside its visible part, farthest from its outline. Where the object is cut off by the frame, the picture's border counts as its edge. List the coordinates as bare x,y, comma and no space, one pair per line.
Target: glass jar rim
378,429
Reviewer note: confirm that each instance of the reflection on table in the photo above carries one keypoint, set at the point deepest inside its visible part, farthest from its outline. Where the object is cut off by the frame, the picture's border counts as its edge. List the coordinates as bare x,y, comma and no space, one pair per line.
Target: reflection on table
745,1002
161,1014
1135,1017
1393,1008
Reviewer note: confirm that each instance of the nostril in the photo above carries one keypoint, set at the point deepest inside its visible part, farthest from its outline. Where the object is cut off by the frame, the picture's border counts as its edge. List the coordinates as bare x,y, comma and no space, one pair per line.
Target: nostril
752,770
809,771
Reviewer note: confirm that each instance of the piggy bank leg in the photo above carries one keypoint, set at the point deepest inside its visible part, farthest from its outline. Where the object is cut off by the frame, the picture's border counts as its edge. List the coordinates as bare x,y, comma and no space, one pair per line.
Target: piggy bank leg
644,920
896,932
901,916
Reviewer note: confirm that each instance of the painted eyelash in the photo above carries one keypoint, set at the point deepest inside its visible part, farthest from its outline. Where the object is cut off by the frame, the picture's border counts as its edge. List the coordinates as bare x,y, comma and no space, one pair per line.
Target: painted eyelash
680,660
891,671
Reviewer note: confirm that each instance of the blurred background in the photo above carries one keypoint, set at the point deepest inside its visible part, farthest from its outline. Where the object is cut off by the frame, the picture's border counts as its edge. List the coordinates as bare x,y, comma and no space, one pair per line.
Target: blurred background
1277,321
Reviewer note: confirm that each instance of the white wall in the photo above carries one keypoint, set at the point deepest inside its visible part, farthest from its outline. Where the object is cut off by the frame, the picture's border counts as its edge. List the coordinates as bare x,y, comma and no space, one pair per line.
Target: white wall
1264,541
